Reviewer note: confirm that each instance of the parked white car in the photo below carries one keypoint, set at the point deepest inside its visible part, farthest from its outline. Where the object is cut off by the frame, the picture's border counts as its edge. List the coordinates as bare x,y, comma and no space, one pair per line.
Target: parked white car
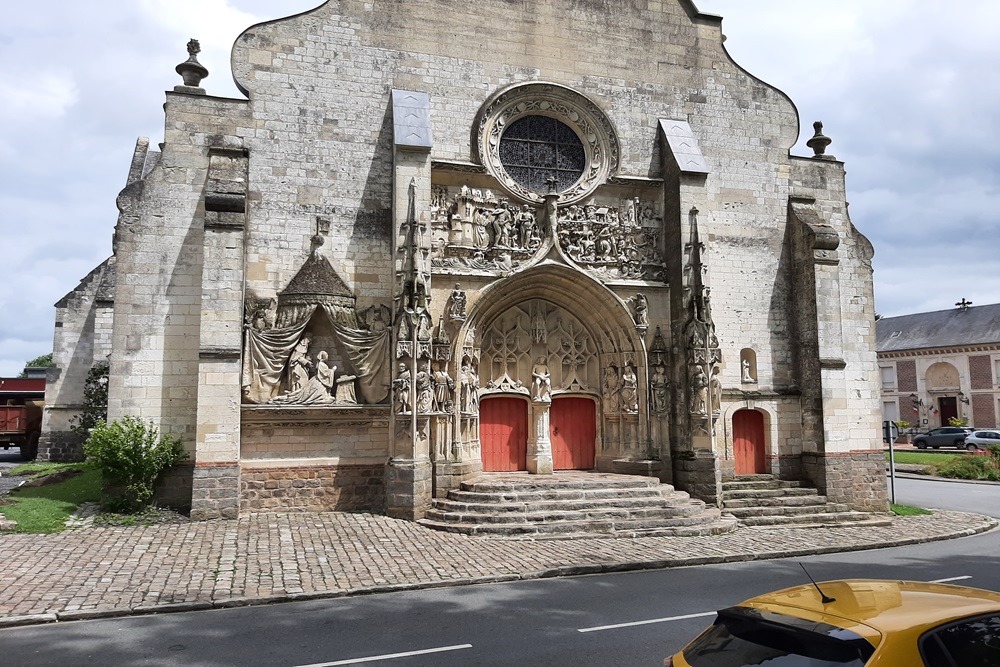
982,439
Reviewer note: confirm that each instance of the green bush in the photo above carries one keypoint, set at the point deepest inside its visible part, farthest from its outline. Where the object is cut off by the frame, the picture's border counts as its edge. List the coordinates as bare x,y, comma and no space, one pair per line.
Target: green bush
971,467
994,451
131,456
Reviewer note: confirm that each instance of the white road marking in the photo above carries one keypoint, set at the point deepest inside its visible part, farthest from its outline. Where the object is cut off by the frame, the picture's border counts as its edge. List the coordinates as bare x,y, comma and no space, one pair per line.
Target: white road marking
652,620
943,581
388,656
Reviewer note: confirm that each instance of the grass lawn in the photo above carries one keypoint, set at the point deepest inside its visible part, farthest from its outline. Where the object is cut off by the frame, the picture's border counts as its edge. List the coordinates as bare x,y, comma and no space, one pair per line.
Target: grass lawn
908,510
44,509
922,458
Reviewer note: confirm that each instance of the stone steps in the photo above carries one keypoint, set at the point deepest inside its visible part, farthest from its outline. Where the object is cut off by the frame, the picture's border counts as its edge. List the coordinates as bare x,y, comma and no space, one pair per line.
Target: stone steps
572,504
762,500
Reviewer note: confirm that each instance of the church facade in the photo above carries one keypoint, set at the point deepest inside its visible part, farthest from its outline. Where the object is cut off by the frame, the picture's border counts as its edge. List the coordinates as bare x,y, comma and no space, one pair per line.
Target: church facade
444,239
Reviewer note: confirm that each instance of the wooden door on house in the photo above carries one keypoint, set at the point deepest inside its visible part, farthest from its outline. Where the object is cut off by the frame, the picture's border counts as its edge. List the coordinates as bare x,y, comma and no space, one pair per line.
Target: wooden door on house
503,433
948,405
748,442
573,432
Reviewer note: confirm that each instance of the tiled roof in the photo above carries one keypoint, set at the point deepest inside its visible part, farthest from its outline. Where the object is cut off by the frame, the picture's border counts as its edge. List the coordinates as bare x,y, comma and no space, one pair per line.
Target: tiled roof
976,325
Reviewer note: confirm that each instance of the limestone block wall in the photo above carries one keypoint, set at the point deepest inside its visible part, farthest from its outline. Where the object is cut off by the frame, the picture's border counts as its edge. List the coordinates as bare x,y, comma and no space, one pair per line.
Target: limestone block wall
81,339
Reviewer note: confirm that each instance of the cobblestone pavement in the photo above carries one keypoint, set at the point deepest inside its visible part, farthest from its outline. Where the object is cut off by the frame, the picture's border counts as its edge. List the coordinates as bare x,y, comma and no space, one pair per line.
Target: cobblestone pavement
92,571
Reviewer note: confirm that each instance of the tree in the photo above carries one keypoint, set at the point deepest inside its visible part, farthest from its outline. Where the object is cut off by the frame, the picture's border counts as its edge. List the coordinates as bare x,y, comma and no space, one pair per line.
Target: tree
95,400
44,360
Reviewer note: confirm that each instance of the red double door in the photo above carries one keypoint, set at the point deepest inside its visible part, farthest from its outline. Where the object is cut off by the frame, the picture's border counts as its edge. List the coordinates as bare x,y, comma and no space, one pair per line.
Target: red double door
748,442
503,433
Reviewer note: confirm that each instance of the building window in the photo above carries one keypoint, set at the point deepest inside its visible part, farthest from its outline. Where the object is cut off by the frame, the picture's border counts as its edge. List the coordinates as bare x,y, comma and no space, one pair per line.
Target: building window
534,149
888,374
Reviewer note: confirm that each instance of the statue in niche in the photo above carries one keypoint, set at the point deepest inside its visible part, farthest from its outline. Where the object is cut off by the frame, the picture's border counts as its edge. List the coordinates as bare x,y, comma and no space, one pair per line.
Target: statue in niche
299,365
641,311
401,389
699,392
715,390
607,248
378,323
316,390
611,387
425,393
480,237
468,398
526,227
443,387
629,390
403,335
660,393
541,381
345,390
746,372
457,304
501,225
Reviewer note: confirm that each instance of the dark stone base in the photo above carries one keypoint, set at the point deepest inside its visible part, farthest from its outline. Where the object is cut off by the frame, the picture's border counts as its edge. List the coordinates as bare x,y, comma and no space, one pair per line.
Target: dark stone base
787,467
407,489
215,491
699,474
856,478
60,447
645,467
448,476
345,488
173,490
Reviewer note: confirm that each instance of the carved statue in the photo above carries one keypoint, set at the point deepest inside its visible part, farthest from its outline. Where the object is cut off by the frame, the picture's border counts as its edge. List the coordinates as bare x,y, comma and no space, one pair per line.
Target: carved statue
629,390
660,393
315,390
443,386
539,333
469,390
480,237
401,387
345,390
456,304
541,381
715,389
641,311
526,226
299,365
611,386
425,393
699,392
746,372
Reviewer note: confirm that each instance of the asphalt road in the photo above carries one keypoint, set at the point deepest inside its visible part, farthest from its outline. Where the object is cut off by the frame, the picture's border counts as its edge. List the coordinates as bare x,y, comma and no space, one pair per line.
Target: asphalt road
622,619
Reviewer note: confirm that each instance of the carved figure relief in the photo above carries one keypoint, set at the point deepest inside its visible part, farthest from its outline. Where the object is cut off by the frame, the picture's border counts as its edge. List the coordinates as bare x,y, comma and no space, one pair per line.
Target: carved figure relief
629,391
659,394
468,390
609,244
443,388
541,381
315,390
425,393
612,384
715,390
457,304
699,392
401,390
641,305
299,365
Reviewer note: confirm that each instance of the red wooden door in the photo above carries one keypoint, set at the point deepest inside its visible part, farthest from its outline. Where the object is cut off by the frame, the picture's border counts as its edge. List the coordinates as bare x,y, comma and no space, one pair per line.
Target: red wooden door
748,442
503,434
949,408
573,431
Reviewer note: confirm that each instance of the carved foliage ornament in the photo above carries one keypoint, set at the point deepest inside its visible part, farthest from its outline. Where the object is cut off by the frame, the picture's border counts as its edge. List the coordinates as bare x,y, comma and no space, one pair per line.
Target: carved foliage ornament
571,112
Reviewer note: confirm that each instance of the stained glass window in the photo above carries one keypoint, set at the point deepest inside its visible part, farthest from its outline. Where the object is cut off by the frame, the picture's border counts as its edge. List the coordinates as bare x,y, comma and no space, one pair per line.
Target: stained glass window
536,148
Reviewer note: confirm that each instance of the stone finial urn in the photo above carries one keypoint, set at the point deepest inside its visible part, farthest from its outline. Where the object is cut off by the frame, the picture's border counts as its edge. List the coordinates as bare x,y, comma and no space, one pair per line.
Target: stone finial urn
819,142
192,71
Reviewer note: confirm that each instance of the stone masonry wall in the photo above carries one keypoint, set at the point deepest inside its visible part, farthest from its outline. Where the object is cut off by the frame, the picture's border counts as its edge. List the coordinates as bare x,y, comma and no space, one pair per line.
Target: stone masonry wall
855,478
314,489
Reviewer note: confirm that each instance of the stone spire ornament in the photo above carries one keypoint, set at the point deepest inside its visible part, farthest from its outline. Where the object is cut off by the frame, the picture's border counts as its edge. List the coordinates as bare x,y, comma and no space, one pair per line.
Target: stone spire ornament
819,142
192,71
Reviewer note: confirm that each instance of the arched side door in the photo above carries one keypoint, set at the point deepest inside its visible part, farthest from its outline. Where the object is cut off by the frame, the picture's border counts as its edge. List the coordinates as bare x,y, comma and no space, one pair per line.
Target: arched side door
573,432
748,442
503,433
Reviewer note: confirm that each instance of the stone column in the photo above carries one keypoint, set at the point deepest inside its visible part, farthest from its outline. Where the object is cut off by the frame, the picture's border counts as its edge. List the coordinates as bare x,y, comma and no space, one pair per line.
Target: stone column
539,444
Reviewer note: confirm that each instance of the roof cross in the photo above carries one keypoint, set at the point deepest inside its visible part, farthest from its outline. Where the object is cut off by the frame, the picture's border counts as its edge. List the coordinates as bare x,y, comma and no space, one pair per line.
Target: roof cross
963,304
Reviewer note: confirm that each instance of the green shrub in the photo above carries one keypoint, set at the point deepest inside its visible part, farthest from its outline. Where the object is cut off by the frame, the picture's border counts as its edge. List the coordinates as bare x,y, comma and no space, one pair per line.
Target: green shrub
994,451
971,467
131,456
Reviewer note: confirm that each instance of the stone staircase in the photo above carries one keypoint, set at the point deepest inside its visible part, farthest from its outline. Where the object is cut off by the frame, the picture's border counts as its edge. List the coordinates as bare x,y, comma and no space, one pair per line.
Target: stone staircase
763,500
573,504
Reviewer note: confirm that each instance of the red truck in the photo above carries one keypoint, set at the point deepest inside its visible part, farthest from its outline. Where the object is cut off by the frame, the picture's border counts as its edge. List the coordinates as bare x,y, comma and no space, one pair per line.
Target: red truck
21,401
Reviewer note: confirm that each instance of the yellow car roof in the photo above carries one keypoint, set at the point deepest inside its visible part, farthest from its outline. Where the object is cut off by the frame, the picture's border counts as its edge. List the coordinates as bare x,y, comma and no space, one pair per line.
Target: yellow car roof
885,605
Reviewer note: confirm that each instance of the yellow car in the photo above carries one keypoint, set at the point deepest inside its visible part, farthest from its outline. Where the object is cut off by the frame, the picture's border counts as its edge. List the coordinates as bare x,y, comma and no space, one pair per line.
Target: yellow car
851,623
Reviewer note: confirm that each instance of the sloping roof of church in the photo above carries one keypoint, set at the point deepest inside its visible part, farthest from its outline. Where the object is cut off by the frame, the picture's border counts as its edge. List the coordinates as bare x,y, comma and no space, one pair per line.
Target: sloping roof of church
317,276
976,325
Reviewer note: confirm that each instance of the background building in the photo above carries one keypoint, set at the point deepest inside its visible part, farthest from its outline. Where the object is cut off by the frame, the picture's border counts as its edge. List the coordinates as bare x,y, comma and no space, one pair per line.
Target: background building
943,364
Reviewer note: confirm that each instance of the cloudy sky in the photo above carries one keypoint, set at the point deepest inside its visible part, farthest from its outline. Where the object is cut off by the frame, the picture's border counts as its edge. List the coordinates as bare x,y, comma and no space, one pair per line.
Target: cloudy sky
907,89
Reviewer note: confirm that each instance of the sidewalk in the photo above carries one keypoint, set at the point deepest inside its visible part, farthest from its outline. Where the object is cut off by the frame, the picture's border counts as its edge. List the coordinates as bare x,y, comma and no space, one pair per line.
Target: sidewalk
93,572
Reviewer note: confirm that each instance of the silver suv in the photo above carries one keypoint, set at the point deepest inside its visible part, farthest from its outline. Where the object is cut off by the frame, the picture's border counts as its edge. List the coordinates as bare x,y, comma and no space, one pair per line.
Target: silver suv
981,439
944,436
